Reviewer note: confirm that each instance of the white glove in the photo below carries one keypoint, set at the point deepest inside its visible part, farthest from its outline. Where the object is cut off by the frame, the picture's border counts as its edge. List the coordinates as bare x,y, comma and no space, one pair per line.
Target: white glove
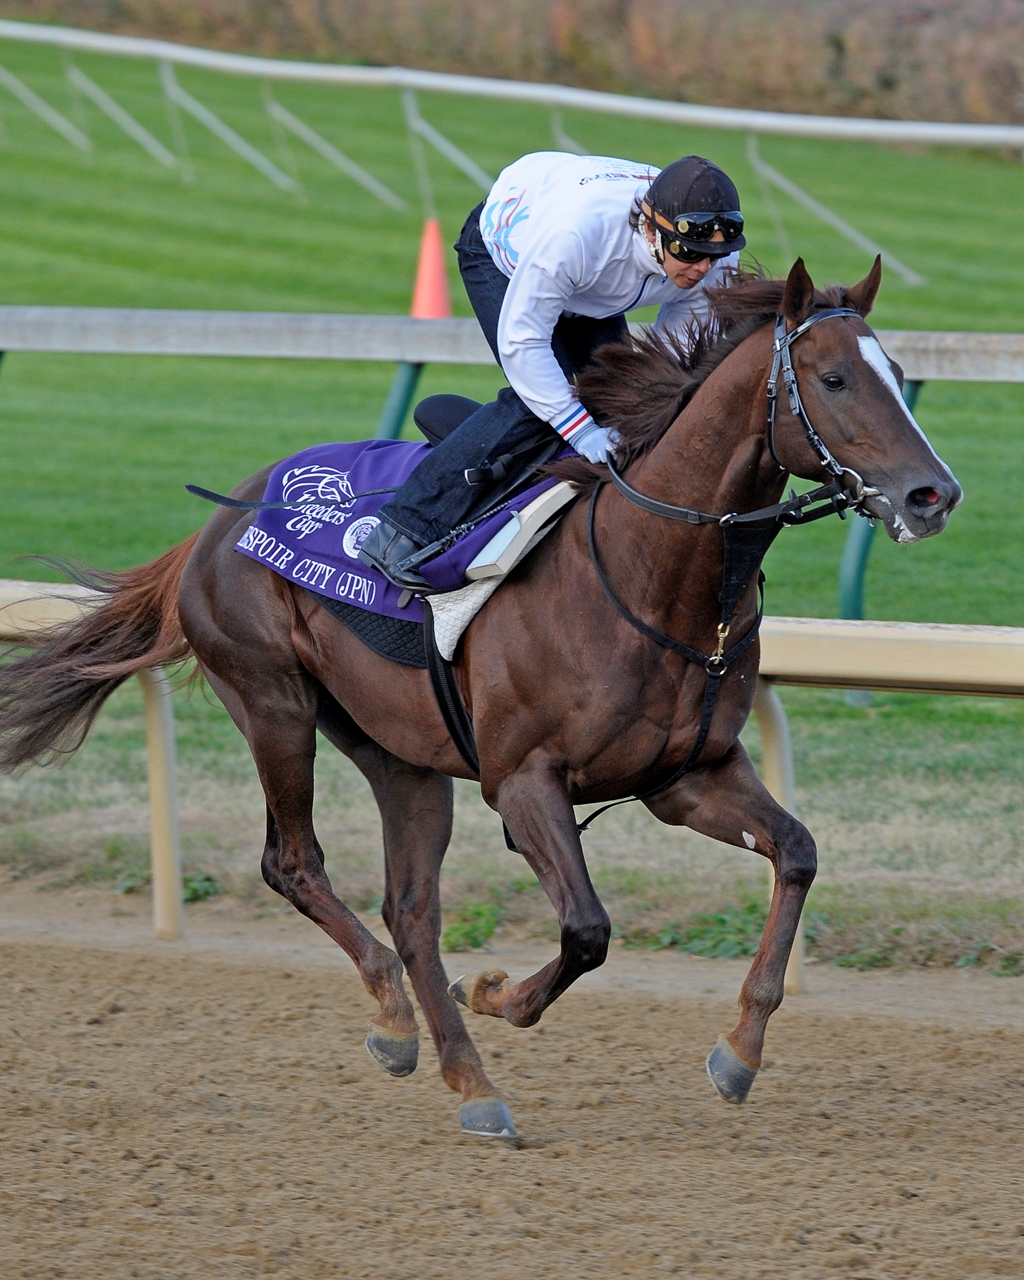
593,442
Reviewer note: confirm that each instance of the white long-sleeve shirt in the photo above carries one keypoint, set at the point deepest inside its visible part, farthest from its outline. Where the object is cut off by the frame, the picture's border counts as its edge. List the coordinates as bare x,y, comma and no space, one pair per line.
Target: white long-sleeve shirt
558,226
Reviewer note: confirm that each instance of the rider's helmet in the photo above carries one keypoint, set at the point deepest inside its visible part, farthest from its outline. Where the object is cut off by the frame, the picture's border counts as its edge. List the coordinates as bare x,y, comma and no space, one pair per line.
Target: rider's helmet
688,203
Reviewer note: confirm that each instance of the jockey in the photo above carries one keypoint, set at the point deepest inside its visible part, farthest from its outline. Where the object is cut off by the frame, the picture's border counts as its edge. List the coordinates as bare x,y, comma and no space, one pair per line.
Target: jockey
561,248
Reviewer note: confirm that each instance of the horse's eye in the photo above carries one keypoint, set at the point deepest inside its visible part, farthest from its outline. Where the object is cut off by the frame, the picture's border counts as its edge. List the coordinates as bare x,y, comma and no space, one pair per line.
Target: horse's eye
833,382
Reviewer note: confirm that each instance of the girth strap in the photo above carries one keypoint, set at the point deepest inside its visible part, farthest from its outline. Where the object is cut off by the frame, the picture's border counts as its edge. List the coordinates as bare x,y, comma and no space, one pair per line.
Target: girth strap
453,709
449,697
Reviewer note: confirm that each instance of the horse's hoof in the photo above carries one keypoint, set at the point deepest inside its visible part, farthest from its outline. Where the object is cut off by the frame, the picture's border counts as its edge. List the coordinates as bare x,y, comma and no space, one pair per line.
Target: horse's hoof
482,992
396,1051
730,1075
457,991
487,1118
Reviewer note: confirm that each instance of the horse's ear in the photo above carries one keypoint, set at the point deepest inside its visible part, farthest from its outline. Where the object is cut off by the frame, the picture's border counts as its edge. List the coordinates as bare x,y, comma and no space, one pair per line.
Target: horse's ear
799,294
862,296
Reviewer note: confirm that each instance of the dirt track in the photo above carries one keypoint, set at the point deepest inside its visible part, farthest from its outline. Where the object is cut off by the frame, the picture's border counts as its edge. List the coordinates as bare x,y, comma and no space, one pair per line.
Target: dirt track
206,1109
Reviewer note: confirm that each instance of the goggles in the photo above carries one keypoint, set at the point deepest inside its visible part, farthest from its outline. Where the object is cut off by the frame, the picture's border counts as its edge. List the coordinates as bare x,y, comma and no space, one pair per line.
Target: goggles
691,255
702,226
684,230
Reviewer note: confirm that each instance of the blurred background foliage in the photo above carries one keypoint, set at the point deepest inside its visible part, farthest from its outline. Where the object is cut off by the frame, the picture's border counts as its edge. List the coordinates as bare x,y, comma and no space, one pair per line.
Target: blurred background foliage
923,59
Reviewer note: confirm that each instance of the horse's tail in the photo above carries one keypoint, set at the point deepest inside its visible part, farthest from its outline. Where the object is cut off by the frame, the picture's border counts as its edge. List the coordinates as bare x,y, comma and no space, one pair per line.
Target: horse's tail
50,695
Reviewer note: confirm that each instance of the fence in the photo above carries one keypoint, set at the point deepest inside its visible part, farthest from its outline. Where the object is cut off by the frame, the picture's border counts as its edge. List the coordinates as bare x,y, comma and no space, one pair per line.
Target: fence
27,609
922,132
834,653
407,82
906,657
924,356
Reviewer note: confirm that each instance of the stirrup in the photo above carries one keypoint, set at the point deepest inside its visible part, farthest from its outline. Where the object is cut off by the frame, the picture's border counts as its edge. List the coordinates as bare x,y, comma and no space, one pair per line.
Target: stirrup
388,550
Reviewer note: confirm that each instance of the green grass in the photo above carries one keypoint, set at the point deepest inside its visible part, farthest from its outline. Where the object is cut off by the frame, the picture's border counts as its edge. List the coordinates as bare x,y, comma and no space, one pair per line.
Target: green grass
472,926
915,801
717,935
98,449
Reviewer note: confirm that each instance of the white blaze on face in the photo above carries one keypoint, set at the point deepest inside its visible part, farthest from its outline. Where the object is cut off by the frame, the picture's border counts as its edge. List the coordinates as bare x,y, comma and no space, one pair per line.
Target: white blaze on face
871,350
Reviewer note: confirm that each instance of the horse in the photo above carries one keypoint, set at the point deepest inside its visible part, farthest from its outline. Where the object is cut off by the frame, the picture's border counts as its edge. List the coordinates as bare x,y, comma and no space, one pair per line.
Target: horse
571,700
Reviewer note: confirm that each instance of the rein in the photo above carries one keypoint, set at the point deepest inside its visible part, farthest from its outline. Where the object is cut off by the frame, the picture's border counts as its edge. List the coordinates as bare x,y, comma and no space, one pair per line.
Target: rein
746,539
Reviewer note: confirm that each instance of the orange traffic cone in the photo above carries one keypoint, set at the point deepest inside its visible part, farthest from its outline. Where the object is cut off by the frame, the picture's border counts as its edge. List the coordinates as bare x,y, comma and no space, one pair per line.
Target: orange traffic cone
430,299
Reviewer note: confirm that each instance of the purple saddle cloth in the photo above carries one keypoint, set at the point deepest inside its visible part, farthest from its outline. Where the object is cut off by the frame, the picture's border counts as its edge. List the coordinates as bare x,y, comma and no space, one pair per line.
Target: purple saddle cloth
315,540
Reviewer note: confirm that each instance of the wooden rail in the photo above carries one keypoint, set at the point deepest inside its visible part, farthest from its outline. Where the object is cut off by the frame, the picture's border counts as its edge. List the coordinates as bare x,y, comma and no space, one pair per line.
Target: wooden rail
829,652
909,657
266,334
947,356
923,657
27,610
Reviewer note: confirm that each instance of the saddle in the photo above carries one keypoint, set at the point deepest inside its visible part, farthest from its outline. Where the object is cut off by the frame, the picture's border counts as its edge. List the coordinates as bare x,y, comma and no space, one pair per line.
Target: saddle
320,504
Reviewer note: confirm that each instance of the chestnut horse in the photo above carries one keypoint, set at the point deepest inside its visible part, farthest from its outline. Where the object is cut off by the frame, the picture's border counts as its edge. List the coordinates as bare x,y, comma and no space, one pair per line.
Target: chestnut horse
570,701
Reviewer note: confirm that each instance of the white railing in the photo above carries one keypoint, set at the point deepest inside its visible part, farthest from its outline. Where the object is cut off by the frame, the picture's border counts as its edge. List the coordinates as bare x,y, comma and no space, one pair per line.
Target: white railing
27,611
554,96
908,657
924,356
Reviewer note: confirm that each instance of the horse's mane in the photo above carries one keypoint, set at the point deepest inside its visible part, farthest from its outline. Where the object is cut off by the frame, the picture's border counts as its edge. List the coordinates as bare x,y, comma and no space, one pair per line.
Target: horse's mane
641,389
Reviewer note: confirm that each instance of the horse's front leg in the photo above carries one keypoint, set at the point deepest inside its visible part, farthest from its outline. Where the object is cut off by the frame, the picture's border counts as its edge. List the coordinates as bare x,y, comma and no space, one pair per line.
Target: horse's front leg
728,802
540,818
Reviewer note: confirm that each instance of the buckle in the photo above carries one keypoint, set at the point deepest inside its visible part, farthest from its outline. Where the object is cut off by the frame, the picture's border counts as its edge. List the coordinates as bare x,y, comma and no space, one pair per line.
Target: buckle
716,657
496,470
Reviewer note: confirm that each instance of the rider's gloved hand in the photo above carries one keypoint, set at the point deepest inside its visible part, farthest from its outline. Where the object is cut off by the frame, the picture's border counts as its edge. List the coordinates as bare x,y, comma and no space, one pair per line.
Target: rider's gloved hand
591,441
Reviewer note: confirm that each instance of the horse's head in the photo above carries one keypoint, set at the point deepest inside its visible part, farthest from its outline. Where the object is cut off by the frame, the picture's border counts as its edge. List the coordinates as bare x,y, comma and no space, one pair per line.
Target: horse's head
851,394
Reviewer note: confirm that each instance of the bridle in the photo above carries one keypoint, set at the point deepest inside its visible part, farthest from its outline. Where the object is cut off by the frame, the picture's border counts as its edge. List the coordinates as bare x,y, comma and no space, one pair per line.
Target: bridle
783,361
746,538
838,495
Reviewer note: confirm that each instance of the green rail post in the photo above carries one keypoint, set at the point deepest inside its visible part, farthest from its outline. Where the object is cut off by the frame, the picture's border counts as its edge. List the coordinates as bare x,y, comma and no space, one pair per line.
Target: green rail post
854,562
399,399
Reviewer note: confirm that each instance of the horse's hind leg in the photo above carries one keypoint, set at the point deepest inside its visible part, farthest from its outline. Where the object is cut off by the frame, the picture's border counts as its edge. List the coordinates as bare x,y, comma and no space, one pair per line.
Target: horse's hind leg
728,802
416,811
278,716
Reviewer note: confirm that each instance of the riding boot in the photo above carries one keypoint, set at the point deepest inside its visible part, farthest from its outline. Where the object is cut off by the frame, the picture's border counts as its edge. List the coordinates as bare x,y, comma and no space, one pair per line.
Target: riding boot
385,548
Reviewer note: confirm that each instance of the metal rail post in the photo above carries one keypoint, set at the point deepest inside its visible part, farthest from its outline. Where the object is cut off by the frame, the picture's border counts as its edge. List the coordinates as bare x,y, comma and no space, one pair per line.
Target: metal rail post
165,839
399,399
779,778
854,563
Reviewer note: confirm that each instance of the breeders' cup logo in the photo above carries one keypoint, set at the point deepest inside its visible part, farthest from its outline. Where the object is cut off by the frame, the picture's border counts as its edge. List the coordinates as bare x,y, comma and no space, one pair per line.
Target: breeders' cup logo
322,494
357,533
317,484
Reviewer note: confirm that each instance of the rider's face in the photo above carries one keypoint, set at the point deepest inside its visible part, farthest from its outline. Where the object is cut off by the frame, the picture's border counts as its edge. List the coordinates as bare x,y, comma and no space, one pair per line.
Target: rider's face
683,274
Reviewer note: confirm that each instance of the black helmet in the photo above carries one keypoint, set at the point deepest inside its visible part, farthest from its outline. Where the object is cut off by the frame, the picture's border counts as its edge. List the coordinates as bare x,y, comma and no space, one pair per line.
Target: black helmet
688,202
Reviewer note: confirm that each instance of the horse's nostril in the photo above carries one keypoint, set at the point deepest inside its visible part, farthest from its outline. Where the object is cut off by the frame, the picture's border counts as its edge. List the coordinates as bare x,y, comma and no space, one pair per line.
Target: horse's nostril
924,498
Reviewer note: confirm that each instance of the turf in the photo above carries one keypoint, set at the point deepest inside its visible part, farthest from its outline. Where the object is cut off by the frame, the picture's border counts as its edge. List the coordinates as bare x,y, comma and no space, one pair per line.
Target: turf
98,449
912,798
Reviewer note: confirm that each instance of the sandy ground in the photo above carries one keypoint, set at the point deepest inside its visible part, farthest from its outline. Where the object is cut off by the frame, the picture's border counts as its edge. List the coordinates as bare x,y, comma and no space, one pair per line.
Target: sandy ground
206,1109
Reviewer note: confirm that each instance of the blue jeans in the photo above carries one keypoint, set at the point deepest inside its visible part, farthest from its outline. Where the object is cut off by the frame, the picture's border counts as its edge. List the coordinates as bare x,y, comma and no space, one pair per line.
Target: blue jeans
436,497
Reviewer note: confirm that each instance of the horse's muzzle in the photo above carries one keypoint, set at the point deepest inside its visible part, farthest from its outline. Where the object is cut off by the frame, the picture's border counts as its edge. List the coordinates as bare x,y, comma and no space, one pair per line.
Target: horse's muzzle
932,503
